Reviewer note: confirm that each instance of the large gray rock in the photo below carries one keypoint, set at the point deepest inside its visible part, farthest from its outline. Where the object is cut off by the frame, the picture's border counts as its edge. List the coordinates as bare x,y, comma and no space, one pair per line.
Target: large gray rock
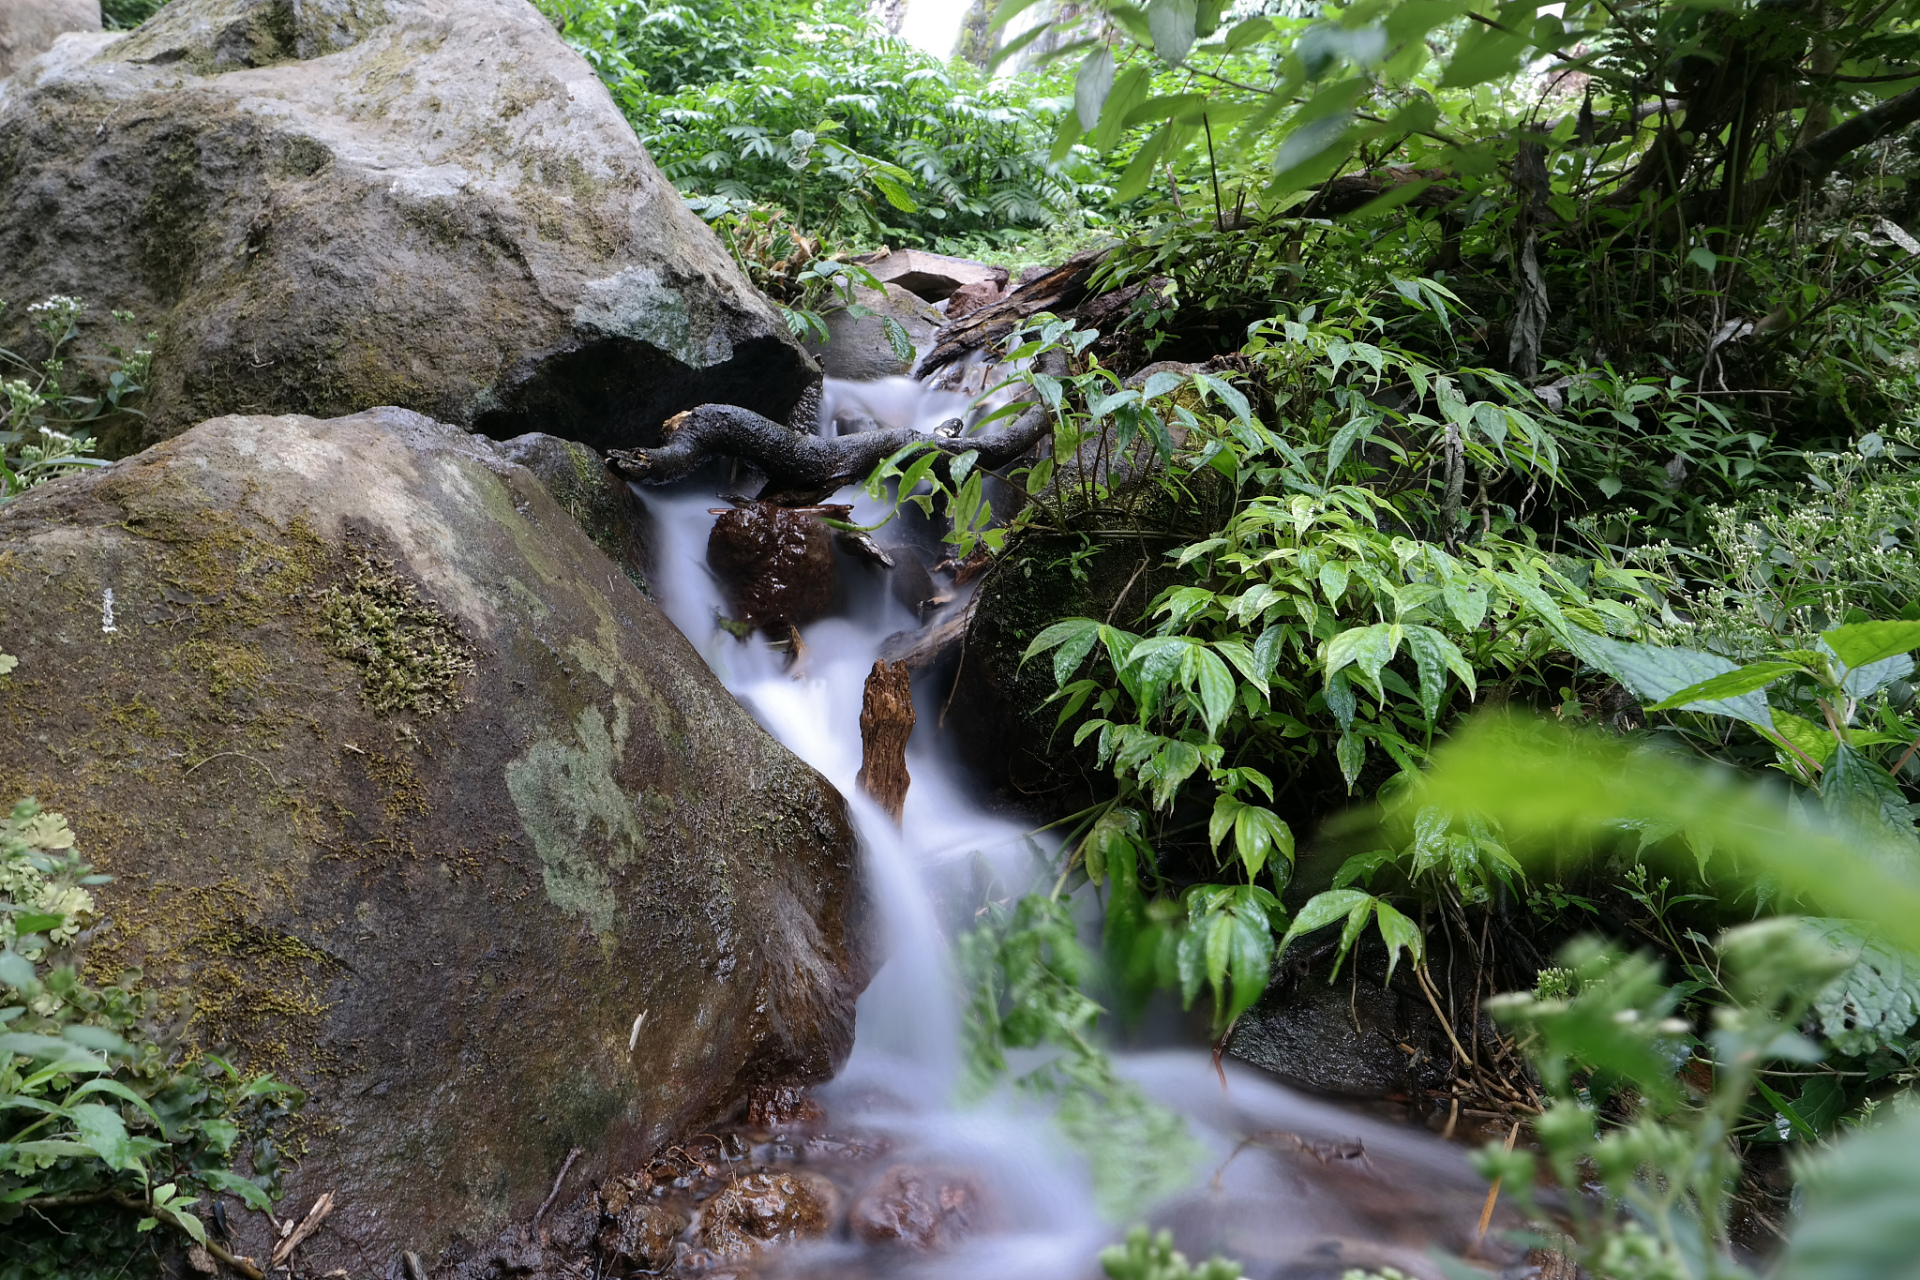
430,808
857,347
28,27
327,205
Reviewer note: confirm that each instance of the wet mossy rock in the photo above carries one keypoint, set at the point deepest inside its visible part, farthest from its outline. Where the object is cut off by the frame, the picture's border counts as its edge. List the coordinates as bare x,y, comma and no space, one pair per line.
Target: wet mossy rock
431,809
327,205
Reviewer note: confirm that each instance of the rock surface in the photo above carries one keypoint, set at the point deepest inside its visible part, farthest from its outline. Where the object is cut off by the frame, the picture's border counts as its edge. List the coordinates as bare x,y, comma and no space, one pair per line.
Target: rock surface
578,479
857,347
763,1209
437,814
932,276
926,1209
327,205
1340,1038
28,27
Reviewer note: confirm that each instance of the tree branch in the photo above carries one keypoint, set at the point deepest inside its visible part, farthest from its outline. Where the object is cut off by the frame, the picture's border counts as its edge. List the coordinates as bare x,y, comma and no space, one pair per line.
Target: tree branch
1814,159
800,464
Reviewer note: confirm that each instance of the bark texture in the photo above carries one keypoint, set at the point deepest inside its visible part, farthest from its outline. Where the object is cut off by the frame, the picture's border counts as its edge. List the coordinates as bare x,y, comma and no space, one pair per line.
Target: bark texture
886,722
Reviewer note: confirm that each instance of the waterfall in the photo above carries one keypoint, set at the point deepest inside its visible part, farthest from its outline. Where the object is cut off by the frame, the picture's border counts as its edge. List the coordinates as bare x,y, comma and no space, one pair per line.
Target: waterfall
1316,1178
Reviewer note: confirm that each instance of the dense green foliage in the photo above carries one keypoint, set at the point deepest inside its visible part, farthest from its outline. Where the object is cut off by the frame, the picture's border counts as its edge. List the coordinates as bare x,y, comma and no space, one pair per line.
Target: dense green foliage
863,138
108,1129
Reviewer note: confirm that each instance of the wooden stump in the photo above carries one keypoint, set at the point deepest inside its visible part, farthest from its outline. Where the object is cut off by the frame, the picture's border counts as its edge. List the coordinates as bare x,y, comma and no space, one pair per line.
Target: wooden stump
886,722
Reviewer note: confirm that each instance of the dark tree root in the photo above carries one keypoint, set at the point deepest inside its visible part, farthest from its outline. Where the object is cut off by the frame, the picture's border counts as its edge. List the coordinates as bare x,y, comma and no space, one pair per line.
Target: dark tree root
800,468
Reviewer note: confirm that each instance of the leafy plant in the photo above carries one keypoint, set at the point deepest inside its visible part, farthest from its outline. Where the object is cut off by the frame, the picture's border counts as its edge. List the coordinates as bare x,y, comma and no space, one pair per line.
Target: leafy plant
107,1130
45,423
1149,1256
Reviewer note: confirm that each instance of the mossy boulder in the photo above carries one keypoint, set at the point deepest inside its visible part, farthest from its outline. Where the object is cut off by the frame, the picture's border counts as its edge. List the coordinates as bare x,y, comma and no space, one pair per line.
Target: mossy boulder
322,206
427,807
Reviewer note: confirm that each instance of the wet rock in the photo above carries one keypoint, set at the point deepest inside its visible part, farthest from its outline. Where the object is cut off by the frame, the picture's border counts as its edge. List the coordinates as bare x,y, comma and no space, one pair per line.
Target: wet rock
428,805
925,1208
603,504
909,581
1340,1038
969,298
857,347
636,1234
763,1209
324,207
28,28
775,563
776,1106
932,276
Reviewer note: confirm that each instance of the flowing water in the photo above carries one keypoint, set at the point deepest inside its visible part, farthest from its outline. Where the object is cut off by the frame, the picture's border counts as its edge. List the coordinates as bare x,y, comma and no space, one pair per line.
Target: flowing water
1290,1186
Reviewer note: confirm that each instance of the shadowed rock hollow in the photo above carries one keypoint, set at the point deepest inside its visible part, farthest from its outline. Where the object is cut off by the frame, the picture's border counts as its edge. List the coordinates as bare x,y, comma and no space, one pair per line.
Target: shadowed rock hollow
327,205
428,803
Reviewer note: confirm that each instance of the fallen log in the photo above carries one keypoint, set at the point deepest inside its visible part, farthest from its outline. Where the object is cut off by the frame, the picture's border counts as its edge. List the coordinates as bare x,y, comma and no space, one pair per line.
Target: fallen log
802,468
886,722
1060,290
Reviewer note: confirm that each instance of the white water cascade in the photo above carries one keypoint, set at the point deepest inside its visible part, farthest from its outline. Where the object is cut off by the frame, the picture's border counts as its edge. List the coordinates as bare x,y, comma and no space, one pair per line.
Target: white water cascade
1282,1207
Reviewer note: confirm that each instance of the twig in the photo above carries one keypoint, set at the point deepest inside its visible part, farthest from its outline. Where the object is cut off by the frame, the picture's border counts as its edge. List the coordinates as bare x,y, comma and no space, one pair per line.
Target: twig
308,1225
557,1182
1493,1192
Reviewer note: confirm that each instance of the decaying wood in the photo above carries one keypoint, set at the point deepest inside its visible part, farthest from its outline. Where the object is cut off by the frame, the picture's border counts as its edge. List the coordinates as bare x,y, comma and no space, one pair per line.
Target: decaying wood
1059,290
800,468
886,722
925,648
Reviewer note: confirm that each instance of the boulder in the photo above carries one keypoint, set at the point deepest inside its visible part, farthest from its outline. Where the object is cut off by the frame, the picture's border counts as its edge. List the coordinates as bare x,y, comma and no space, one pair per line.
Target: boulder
969,298
28,27
932,276
857,347
322,206
431,809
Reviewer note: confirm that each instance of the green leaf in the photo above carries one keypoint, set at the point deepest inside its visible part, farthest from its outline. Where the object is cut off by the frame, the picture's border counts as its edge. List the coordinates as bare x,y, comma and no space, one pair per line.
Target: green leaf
1466,600
16,970
1755,675
1091,85
1400,934
1872,1004
1703,257
48,1049
1867,642
1855,788
37,921
897,196
246,1188
101,1128
1858,1221
1815,740
1322,910
1656,672
1216,687
1172,25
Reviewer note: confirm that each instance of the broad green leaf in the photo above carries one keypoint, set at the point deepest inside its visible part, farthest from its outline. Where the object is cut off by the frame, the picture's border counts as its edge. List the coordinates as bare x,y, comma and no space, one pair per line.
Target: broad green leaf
1466,600
1091,86
248,1190
1856,789
1874,1002
1755,675
1862,643
1864,682
1816,741
1172,25
1656,672
1858,1221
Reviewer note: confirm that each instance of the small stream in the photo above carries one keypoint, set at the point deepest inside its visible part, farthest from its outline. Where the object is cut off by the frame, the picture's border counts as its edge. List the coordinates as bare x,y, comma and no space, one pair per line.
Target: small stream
1289,1186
